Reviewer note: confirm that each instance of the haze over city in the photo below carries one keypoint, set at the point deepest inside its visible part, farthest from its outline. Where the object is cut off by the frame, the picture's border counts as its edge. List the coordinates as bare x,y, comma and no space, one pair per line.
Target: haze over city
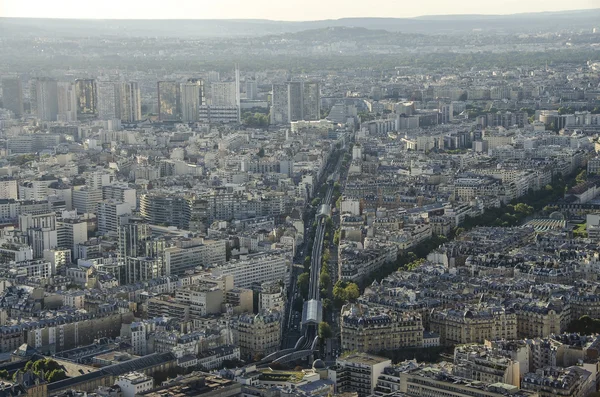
299,198
288,10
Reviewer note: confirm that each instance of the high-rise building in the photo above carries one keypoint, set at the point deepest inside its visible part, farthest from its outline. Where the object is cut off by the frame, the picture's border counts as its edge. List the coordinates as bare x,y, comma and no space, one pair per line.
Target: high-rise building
70,233
295,100
109,100
191,99
131,103
223,93
12,94
279,104
110,214
33,97
132,237
168,210
85,199
169,101
311,101
251,89
46,91
87,97
67,101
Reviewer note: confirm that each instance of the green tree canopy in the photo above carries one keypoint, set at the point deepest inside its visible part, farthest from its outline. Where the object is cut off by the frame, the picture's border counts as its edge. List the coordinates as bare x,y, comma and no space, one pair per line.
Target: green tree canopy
303,284
325,330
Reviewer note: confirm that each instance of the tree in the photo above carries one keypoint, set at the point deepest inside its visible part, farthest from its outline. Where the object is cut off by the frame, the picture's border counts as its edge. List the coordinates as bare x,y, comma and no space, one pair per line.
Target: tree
523,209
336,237
324,331
303,284
338,203
339,294
56,375
324,280
316,201
261,152
581,177
327,304
585,325
4,374
352,292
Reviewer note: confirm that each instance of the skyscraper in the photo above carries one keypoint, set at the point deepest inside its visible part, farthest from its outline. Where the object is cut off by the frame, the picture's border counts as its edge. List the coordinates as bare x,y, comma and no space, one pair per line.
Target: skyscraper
191,99
12,95
109,100
169,101
311,101
294,101
131,107
251,89
279,104
67,101
87,97
33,97
223,93
46,91
237,92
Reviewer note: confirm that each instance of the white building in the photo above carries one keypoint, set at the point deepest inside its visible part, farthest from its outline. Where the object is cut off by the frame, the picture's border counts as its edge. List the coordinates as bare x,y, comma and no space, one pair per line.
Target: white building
120,192
223,93
109,214
8,189
85,199
134,383
255,269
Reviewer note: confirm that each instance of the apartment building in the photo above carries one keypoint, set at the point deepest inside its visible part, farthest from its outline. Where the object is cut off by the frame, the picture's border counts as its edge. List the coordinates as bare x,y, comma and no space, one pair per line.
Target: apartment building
358,372
250,271
480,363
367,329
473,325
257,335
188,254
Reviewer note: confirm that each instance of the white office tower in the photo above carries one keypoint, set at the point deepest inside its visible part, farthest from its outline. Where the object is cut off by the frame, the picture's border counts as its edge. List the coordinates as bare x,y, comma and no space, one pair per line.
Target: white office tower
67,101
191,100
111,214
109,100
40,230
46,91
70,233
131,103
251,89
223,93
12,95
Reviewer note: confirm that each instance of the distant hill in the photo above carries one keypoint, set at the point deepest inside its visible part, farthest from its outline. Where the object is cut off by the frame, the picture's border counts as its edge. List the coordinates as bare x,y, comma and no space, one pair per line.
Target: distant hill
438,24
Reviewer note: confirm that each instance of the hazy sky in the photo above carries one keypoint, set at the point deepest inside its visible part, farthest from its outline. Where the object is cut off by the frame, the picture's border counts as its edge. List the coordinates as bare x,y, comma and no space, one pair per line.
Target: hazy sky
276,9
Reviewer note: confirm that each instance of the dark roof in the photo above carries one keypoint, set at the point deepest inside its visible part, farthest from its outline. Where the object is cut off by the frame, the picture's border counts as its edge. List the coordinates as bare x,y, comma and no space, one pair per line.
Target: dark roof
137,364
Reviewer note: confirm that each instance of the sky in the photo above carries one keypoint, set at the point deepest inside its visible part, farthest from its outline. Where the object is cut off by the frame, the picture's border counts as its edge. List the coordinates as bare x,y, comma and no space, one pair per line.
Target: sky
288,10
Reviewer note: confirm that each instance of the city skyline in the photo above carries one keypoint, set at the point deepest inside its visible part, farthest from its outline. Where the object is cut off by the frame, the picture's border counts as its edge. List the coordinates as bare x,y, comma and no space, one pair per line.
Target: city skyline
293,10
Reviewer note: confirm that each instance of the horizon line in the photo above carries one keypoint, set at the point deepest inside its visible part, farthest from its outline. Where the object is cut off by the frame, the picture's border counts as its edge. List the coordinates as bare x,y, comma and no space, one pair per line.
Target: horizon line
424,16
